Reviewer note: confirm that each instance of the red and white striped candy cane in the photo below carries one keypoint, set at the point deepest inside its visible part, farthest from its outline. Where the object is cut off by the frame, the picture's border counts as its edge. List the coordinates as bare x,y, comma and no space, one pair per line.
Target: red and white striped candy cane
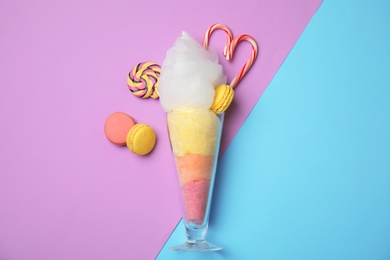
250,61
230,46
229,39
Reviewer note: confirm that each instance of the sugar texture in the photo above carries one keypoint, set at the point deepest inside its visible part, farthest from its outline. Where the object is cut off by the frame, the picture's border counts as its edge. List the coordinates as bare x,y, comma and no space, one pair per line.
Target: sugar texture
195,196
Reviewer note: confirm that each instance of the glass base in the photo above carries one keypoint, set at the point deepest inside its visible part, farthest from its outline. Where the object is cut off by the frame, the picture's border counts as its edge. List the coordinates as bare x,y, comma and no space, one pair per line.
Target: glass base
196,247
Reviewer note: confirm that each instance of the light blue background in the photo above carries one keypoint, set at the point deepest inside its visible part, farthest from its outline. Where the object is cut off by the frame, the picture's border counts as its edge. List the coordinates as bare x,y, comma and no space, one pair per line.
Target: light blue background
308,174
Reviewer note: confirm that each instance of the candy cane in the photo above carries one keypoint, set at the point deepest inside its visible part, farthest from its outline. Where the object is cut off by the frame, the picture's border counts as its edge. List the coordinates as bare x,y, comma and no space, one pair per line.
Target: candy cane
230,46
214,27
250,61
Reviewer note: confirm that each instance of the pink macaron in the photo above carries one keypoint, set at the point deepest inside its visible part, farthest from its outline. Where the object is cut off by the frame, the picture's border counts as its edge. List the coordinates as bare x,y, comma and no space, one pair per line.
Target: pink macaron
117,126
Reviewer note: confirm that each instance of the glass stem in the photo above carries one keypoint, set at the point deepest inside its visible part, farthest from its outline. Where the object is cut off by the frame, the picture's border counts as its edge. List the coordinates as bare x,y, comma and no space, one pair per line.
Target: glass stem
196,236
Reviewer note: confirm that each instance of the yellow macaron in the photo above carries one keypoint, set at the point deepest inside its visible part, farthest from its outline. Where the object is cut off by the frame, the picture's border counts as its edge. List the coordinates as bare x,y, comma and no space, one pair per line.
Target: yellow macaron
141,139
223,98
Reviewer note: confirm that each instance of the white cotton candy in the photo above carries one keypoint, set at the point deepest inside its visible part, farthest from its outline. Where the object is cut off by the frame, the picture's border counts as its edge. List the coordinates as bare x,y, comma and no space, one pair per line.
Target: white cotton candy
189,75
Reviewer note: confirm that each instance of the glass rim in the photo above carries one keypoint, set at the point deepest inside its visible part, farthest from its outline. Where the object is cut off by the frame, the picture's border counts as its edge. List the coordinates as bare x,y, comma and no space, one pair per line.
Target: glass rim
183,109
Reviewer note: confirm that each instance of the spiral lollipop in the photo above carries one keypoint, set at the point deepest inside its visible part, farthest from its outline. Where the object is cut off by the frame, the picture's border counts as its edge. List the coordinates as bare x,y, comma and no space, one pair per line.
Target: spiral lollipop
143,80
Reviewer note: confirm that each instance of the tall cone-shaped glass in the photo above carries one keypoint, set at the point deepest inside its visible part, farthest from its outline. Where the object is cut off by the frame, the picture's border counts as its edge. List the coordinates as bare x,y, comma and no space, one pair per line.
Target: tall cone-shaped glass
195,137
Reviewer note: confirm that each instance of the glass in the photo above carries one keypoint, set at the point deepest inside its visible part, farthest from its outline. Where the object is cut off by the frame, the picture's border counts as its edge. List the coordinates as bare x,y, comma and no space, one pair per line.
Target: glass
195,136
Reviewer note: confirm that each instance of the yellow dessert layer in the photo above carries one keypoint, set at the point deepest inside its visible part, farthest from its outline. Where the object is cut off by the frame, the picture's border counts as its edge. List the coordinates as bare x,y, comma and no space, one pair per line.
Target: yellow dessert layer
193,131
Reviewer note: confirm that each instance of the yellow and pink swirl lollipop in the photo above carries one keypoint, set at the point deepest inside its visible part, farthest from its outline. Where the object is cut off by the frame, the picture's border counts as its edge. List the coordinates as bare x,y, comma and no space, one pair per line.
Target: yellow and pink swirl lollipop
143,80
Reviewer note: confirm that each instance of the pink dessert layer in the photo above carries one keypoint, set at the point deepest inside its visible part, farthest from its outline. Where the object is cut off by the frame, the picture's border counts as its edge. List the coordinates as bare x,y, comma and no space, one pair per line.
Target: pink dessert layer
195,195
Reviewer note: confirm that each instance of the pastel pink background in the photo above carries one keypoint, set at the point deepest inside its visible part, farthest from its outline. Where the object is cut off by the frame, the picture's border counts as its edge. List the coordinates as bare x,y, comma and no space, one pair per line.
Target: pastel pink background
65,191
